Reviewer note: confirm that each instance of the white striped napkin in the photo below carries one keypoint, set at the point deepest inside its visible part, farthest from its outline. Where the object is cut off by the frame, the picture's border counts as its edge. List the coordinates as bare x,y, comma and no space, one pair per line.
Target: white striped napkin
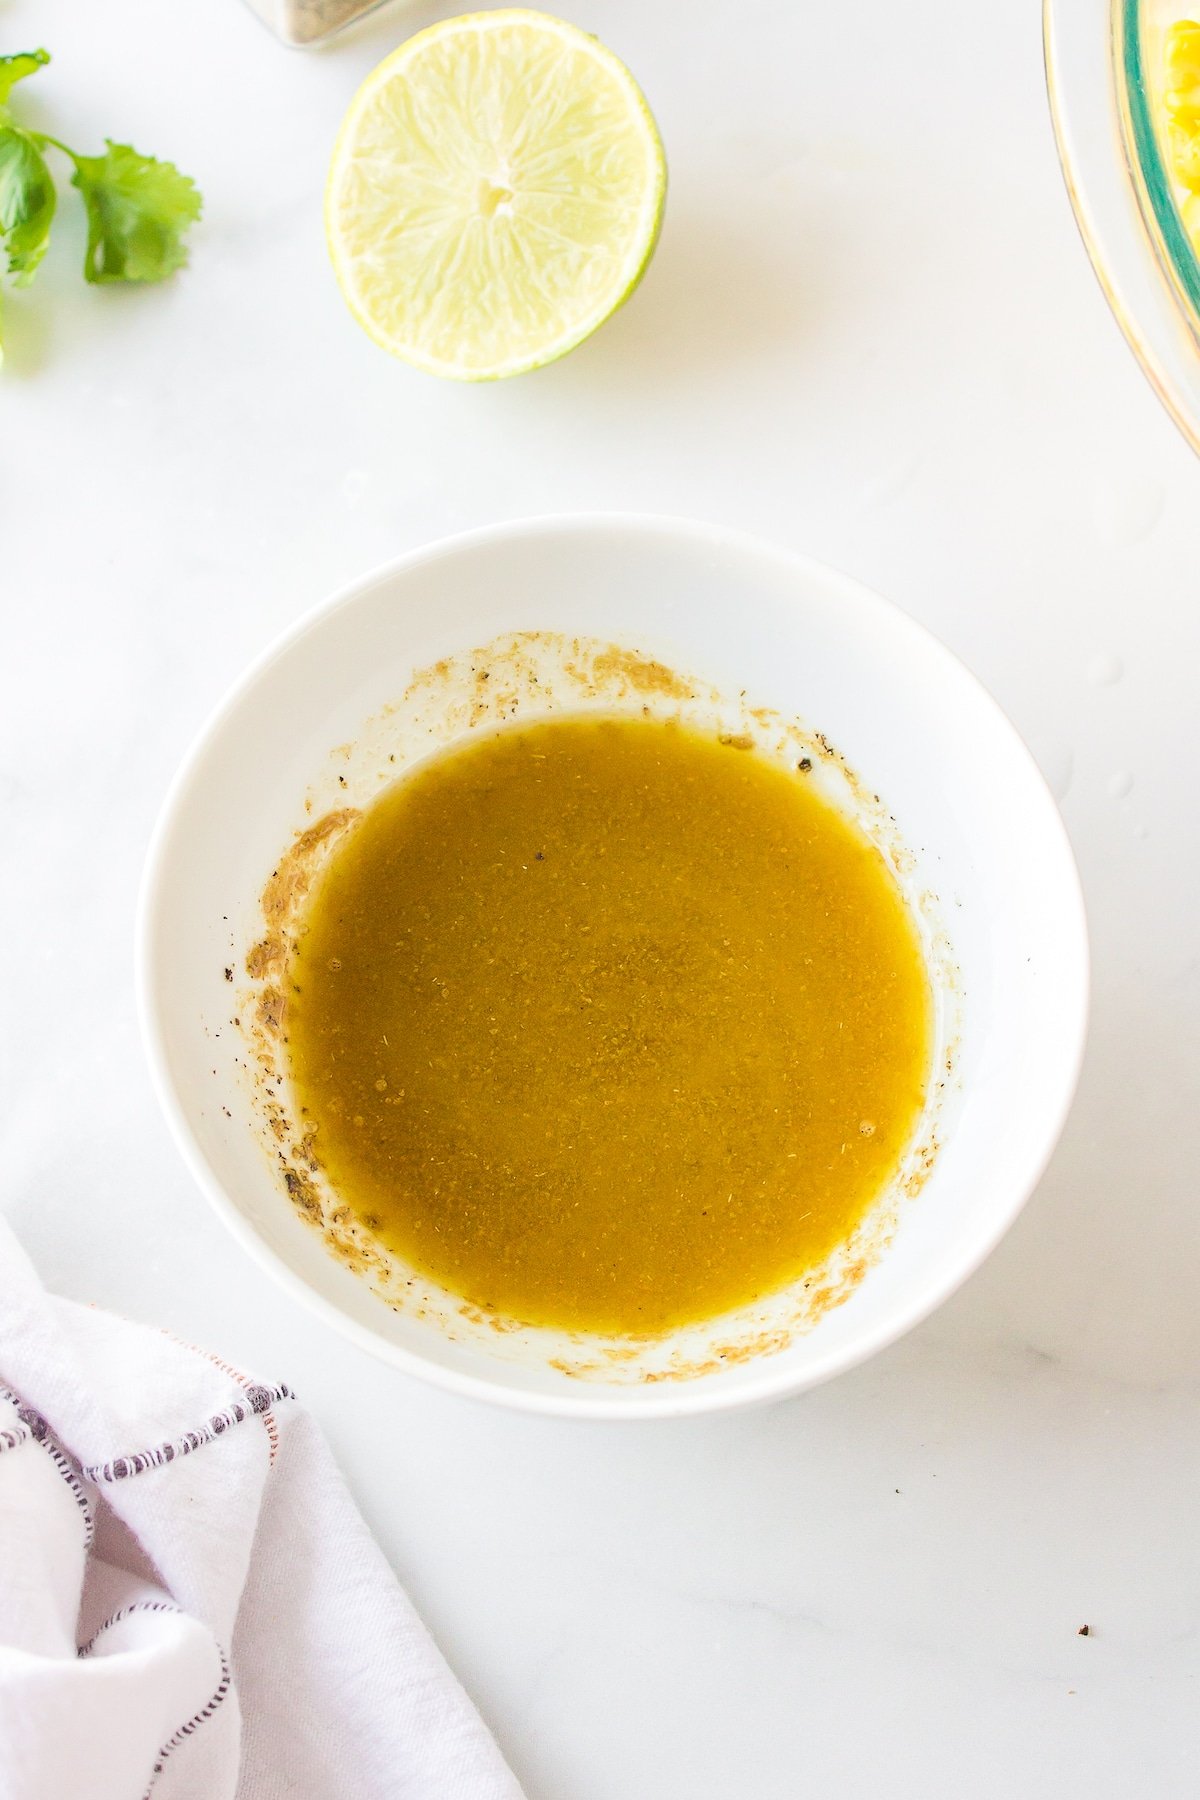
190,1605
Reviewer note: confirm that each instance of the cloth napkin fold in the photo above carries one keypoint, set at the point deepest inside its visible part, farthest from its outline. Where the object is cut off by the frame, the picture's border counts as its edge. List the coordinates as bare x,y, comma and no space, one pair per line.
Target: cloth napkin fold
190,1604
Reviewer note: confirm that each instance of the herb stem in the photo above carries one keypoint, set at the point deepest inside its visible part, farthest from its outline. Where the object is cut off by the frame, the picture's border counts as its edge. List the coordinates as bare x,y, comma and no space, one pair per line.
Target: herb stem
43,137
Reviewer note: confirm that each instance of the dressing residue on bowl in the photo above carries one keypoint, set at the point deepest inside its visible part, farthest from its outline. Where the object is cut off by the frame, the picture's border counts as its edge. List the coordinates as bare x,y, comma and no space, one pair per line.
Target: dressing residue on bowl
520,680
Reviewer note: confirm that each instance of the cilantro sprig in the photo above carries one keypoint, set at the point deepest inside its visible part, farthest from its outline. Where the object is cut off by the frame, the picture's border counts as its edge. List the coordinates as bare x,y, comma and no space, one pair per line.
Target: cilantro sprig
138,208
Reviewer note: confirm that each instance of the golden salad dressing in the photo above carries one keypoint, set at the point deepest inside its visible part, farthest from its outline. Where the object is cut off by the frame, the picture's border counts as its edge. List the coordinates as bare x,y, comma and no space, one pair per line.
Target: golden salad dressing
607,1024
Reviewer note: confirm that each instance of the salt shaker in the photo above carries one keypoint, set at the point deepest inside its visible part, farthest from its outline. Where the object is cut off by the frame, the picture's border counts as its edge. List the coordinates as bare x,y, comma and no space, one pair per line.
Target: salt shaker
303,22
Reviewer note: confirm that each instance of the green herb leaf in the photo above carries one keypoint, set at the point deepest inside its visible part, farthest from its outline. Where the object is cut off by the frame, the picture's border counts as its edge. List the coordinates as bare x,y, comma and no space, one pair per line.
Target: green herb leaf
27,202
138,211
16,68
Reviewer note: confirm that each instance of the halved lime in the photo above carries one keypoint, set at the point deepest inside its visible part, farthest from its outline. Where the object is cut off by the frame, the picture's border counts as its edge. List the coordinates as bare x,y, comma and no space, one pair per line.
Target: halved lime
496,192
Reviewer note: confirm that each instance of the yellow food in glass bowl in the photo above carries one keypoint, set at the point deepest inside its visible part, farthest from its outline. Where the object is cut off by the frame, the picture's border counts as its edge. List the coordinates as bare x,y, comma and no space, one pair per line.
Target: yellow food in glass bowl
1181,104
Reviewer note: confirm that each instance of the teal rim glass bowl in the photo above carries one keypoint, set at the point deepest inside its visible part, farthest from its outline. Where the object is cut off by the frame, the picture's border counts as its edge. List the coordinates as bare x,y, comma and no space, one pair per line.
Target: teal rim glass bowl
1103,71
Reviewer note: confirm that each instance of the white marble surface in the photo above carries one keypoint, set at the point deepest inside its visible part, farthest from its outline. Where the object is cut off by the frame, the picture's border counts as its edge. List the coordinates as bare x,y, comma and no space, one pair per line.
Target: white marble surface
870,332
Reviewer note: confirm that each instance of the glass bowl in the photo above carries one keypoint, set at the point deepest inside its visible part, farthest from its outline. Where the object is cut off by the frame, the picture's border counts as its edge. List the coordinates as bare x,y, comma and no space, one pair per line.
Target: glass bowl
1105,64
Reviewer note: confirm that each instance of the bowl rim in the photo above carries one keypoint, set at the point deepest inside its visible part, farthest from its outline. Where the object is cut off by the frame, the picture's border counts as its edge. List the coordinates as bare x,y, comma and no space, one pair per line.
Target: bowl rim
777,1377
1112,210
1147,166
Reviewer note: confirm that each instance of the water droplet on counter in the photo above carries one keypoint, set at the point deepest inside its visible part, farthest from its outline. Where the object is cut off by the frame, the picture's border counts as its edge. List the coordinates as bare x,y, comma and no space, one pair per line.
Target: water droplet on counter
1105,669
1120,783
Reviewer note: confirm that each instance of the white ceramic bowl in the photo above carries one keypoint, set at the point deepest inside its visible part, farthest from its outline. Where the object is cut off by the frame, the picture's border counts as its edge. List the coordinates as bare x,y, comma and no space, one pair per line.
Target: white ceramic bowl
990,874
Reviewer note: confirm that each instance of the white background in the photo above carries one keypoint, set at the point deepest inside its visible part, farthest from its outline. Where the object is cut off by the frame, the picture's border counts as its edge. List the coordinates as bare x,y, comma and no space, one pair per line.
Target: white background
870,332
